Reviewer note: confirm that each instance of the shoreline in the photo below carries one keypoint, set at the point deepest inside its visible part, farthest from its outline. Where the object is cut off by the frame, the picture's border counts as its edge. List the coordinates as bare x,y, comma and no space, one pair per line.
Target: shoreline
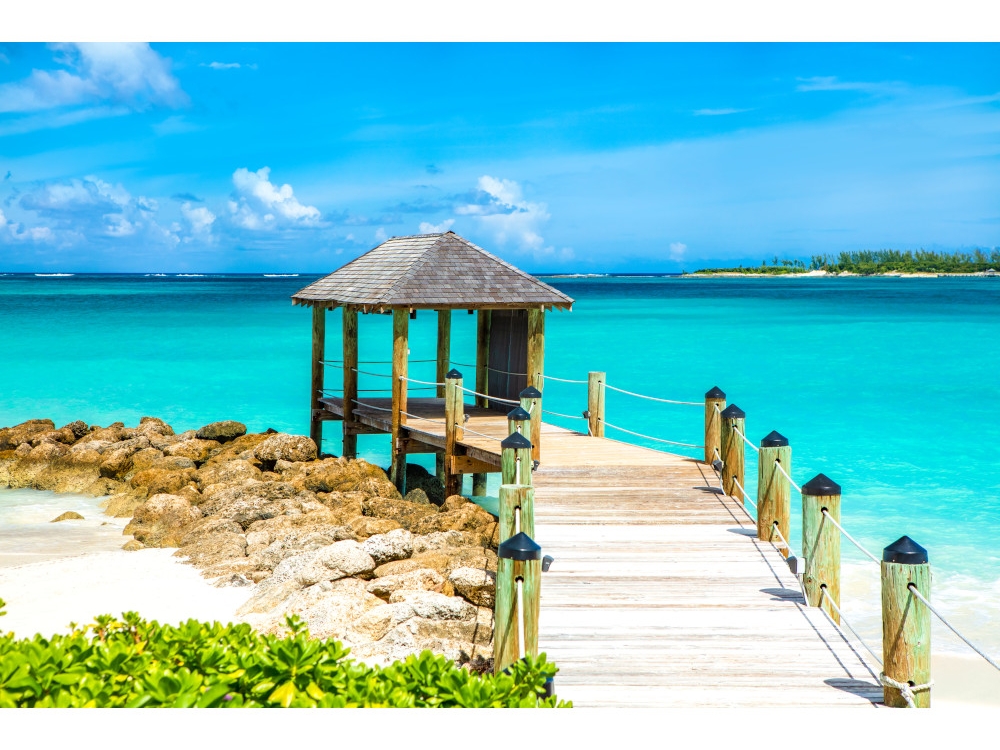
840,275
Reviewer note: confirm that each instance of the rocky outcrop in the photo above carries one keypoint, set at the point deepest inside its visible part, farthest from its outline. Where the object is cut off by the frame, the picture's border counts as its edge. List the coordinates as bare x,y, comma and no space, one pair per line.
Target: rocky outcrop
69,515
329,539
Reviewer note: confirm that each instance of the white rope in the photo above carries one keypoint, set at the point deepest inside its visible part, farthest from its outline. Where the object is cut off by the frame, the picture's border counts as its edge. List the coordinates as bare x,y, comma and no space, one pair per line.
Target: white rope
491,398
492,369
422,382
425,419
488,437
782,470
745,440
649,437
717,409
654,398
370,406
823,592
563,380
970,644
854,541
906,689
373,374
776,530
737,483
557,414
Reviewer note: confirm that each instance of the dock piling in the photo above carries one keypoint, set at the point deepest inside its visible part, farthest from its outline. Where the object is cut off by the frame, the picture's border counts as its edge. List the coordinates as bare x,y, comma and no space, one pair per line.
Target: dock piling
454,419
316,381
906,624
531,402
595,402
774,491
515,459
732,424
715,404
400,358
350,354
519,574
821,542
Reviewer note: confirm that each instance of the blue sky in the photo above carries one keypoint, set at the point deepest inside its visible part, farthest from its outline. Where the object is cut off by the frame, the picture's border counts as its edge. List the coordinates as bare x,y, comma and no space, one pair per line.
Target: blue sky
559,157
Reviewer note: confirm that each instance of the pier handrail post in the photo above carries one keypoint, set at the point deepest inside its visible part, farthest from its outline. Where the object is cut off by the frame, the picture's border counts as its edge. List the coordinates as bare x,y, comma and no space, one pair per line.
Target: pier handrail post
531,402
595,402
454,419
518,420
774,491
350,363
400,356
515,459
715,403
821,542
519,562
906,622
733,451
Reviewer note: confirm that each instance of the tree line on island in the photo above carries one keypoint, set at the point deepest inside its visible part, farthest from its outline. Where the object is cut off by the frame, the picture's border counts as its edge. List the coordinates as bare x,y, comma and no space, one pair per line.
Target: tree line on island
868,262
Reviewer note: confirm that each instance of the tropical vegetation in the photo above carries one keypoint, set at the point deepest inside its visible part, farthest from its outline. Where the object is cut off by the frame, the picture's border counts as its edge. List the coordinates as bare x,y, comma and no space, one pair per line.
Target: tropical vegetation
868,262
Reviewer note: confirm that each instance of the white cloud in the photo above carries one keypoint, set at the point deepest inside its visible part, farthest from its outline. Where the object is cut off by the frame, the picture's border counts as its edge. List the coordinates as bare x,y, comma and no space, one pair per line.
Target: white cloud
118,226
200,218
380,235
677,250
229,66
718,112
506,214
260,204
131,74
427,228
832,83
16,232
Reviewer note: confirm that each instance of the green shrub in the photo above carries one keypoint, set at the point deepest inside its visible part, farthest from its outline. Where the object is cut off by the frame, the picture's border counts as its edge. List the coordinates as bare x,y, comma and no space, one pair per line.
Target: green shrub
132,663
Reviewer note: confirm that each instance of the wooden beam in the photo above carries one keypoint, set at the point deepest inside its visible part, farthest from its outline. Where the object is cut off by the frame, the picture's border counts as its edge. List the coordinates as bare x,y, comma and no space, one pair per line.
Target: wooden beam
484,324
536,365
469,465
454,421
316,381
400,356
350,363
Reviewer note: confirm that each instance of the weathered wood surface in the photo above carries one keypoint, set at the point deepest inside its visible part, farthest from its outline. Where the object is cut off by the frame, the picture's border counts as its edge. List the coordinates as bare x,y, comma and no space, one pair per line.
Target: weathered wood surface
906,631
316,376
660,593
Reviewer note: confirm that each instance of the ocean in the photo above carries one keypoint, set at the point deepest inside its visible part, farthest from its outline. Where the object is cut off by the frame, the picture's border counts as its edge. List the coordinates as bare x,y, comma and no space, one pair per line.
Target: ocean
887,385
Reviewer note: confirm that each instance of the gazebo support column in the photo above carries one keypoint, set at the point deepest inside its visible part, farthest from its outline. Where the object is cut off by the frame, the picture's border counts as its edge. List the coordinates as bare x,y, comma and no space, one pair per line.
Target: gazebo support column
400,353
483,327
316,381
350,339
443,365
536,366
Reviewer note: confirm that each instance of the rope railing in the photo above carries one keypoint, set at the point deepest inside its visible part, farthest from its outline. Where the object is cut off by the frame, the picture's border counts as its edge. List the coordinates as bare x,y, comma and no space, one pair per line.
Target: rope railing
775,529
825,594
745,440
653,398
952,628
370,406
748,499
373,374
421,382
336,362
425,419
557,414
491,398
791,481
649,437
855,542
561,380
491,369
480,434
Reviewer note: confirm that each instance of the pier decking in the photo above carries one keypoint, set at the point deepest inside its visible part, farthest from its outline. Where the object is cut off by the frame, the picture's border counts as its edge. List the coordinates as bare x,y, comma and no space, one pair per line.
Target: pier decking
660,593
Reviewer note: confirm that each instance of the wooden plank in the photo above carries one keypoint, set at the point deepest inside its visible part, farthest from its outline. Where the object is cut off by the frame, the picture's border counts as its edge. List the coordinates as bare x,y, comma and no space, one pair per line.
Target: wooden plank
469,465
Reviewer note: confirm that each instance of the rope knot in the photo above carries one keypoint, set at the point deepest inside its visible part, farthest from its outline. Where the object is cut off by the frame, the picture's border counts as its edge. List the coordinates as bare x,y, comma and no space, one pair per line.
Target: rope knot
905,689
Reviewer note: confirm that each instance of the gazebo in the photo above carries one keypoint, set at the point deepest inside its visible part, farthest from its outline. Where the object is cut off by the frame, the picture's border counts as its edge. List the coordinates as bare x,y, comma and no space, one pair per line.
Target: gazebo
439,272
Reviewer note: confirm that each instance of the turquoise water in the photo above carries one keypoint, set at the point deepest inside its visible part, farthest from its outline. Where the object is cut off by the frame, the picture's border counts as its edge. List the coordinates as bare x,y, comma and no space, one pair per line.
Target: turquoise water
888,385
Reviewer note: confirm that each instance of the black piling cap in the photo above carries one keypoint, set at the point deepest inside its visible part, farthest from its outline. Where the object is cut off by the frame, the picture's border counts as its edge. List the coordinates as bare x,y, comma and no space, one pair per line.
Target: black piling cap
733,412
774,440
519,547
820,486
531,392
517,414
906,551
716,392
453,374
515,440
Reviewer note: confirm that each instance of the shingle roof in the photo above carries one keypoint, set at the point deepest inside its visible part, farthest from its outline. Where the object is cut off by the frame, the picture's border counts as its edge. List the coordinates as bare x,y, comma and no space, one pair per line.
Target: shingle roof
436,271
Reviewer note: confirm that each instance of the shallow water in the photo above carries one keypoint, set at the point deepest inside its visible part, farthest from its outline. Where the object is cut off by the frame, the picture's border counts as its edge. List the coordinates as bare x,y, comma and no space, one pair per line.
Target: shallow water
886,385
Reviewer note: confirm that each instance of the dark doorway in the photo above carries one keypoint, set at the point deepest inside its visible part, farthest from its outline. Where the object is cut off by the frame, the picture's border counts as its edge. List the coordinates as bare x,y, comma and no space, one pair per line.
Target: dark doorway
508,361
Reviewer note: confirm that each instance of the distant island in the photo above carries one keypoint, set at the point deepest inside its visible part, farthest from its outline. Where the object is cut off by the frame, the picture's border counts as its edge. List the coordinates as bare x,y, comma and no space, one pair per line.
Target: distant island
873,263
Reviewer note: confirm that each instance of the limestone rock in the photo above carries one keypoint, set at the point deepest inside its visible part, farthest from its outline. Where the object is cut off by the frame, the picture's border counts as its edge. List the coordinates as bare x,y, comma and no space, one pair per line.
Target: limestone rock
47,451
421,579
123,504
241,447
154,426
347,558
417,495
417,477
228,472
282,446
474,584
434,606
114,433
364,527
159,522
330,609
395,545
195,449
69,515
440,540
223,432
133,545
434,560
163,481
146,458
116,460
12,437
407,514
256,500
78,429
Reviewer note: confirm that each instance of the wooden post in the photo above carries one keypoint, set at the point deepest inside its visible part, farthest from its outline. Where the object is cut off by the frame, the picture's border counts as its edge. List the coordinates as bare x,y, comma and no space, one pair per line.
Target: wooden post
479,485
454,421
518,420
531,402
821,542
400,355
483,325
520,559
350,346
443,365
774,491
733,418
595,403
515,459
715,404
906,622
316,382
536,365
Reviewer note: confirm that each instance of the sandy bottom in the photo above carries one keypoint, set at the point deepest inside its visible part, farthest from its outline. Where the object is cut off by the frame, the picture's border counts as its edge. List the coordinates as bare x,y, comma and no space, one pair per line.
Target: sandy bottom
44,597
964,682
